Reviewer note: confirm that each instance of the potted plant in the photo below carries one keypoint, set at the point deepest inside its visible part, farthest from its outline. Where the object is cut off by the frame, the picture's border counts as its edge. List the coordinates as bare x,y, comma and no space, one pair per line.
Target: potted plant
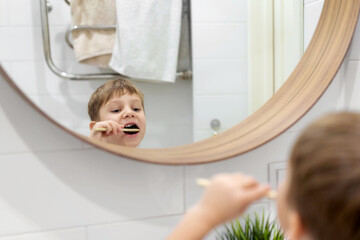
256,228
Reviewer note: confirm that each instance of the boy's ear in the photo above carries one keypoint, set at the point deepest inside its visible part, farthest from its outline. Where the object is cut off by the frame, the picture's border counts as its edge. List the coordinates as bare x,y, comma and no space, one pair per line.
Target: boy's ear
91,125
296,227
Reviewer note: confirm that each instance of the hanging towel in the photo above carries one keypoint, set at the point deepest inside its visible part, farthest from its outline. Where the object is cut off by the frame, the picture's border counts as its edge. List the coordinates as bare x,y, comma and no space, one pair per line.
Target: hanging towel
184,58
147,39
93,46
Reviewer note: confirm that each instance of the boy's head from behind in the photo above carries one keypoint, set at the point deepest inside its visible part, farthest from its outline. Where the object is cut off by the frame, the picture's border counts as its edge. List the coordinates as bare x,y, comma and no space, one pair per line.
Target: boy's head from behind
323,180
118,104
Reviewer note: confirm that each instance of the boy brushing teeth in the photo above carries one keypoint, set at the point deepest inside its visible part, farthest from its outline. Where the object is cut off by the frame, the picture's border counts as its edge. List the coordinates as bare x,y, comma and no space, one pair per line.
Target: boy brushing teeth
117,108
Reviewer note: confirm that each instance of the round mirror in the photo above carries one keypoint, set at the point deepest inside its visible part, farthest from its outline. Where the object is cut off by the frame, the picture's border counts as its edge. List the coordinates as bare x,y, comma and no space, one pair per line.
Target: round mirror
238,58
301,90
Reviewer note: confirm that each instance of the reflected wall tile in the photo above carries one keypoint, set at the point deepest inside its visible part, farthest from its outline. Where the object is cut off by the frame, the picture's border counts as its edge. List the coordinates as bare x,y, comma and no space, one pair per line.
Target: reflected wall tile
60,51
350,84
227,108
60,14
158,228
82,130
312,12
4,17
219,40
180,86
311,1
24,13
46,82
26,130
77,188
218,76
208,11
27,13
20,44
174,108
157,135
203,134
70,111
354,51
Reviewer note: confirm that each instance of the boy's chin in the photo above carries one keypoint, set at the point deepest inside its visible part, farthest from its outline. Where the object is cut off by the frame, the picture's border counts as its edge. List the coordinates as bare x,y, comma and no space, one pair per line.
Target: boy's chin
128,143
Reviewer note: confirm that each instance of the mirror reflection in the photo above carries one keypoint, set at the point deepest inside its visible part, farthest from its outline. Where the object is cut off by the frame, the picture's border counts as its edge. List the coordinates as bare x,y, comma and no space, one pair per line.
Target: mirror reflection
231,77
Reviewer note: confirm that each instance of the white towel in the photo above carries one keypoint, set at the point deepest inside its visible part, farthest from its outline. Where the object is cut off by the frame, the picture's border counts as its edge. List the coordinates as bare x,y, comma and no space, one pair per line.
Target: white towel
147,39
93,46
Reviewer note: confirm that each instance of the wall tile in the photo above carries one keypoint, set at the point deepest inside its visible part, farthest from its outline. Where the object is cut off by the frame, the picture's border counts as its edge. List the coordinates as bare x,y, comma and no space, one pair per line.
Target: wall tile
158,228
276,173
67,234
208,11
329,102
254,163
217,76
77,188
219,40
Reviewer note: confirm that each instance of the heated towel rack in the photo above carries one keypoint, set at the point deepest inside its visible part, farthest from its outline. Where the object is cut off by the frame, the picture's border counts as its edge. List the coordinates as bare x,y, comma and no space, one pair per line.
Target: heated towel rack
44,9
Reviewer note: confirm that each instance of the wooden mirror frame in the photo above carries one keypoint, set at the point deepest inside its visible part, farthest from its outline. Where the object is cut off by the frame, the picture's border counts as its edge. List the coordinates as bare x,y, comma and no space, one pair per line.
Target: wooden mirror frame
303,88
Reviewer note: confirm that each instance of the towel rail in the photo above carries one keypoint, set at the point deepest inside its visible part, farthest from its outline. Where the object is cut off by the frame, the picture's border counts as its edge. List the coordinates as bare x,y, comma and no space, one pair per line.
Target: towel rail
85,27
74,76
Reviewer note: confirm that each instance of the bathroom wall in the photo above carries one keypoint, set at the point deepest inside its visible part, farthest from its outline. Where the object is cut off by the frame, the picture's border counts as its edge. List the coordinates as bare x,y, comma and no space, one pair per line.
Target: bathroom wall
53,186
168,106
220,89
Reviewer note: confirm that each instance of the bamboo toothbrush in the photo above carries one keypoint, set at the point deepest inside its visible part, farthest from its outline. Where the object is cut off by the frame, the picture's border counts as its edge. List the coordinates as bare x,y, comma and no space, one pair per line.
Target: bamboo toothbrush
203,182
123,129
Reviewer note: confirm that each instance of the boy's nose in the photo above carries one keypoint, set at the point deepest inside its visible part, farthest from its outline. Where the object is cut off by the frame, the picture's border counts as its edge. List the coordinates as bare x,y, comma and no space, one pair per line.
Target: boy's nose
128,113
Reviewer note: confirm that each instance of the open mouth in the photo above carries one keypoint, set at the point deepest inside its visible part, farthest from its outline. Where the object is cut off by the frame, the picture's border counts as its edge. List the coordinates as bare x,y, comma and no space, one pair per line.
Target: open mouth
131,129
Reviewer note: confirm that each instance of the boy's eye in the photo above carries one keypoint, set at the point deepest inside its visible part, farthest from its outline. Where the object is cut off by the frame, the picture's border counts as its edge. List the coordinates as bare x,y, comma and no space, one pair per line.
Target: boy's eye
137,109
116,110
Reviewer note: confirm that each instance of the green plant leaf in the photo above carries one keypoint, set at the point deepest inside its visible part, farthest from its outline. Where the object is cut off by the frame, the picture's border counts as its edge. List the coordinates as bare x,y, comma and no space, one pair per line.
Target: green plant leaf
257,227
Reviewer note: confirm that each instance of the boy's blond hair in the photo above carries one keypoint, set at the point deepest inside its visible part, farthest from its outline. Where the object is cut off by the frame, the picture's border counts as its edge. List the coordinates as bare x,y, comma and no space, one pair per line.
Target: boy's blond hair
105,92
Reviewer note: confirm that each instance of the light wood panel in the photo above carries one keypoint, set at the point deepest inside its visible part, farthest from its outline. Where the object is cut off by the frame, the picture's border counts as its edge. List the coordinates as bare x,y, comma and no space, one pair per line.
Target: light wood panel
306,84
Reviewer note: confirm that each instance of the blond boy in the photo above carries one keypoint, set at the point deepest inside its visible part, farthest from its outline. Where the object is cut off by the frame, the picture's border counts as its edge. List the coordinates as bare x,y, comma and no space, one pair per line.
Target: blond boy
116,110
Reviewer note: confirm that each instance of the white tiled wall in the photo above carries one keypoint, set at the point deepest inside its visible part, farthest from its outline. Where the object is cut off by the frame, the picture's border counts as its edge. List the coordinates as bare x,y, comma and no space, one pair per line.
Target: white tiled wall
54,187
66,100
220,65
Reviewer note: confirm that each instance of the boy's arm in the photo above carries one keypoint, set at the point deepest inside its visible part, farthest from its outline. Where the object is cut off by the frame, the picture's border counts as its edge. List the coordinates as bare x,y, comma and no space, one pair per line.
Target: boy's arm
226,198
